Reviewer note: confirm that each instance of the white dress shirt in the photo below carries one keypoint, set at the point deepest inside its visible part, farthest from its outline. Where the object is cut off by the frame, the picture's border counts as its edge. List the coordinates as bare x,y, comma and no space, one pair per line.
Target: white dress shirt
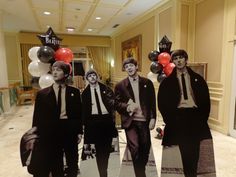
138,115
93,100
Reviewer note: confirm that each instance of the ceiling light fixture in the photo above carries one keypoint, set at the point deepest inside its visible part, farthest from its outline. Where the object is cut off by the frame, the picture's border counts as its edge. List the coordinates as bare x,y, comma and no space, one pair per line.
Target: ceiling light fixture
47,13
98,18
90,29
70,29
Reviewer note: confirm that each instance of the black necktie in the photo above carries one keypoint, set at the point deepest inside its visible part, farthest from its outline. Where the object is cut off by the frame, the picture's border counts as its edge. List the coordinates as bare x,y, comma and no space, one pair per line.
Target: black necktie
184,87
97,102
59,101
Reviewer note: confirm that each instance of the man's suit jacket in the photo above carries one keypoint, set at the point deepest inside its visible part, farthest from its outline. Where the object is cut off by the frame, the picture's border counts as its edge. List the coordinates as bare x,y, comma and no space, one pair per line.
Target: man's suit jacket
26,138
46,118
107,96
169,96
124,92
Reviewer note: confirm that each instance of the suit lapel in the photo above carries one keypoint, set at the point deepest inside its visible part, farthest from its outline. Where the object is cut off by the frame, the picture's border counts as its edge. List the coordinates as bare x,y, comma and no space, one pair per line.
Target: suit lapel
87,102
52,97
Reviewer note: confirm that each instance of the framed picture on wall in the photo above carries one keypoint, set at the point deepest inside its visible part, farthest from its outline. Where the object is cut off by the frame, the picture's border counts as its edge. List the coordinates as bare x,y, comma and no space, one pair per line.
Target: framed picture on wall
132,48
200,68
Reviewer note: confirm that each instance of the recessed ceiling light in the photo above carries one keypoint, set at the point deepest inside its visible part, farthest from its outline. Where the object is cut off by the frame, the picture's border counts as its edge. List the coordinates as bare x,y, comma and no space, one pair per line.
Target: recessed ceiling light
46,13
98,18
90,29
70,29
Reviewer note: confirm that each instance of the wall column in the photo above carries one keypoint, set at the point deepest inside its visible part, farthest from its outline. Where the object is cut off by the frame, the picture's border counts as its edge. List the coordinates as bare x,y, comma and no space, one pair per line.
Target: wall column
3,63
3,70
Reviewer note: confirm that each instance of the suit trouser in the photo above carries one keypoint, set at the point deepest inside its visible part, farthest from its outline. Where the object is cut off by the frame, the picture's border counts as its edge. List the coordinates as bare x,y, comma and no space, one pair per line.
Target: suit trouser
100,130
189,143
139,143
70,148
47,160
103,149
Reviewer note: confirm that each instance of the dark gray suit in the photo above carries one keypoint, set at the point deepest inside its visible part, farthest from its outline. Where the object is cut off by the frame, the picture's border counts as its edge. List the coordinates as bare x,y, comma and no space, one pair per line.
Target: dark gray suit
137,132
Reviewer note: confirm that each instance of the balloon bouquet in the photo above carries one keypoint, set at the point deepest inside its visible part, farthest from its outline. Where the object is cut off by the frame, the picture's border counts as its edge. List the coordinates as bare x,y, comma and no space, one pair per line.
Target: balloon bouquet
161,65
43,57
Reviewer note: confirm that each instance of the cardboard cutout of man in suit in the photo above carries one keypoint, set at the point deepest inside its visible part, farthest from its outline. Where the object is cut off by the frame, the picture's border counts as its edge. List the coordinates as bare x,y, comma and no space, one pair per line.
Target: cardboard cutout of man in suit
58,118
184,103
98,119
135,102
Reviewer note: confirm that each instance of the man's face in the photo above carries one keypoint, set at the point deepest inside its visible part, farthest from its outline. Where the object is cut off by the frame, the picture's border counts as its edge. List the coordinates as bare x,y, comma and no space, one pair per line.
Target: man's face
92,78
58,74
131,69
180,62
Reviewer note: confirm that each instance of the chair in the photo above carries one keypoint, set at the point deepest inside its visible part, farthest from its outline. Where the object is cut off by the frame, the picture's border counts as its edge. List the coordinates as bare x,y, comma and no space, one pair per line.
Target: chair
25,95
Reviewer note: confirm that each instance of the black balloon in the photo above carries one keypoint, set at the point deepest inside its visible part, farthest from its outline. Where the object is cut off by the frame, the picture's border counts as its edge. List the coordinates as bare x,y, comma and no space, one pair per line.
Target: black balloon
156,68
153,55
161,77
45,54
50,39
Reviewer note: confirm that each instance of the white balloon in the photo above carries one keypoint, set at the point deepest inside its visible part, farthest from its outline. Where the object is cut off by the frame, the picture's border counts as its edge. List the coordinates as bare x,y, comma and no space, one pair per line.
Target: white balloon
43,67
32,53
152,76
36,68
46,80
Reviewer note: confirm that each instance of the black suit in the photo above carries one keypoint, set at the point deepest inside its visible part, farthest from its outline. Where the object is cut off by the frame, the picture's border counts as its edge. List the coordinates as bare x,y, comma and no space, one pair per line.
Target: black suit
99,129
55,134
137,132
185,127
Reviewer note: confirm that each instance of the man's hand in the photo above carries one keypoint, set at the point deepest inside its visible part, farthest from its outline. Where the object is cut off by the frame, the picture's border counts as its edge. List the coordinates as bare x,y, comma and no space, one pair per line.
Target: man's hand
132,108
152,124
79,138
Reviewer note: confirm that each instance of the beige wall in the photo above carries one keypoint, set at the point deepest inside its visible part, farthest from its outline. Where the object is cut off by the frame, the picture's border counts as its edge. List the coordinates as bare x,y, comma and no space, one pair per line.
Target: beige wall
165,24
208,36
13,57
146,29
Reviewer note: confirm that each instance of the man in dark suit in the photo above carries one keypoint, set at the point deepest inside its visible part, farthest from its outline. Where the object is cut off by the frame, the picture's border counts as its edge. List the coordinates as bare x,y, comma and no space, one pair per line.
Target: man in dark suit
136,103
184,103
98,119
58,118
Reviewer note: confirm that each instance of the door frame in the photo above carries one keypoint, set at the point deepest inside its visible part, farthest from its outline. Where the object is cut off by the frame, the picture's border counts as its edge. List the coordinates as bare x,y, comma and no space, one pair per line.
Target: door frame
232,120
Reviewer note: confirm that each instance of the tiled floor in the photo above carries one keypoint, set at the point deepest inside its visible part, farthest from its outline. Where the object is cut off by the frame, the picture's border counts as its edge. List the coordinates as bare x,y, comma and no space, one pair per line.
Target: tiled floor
13,126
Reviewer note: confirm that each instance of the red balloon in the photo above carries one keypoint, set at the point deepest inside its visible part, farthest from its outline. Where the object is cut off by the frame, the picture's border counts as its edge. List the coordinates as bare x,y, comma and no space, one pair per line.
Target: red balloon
64,54
164,58
169,68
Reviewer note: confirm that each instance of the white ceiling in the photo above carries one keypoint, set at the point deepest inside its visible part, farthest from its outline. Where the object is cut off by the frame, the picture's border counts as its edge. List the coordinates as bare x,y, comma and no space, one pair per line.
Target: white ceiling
27,15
